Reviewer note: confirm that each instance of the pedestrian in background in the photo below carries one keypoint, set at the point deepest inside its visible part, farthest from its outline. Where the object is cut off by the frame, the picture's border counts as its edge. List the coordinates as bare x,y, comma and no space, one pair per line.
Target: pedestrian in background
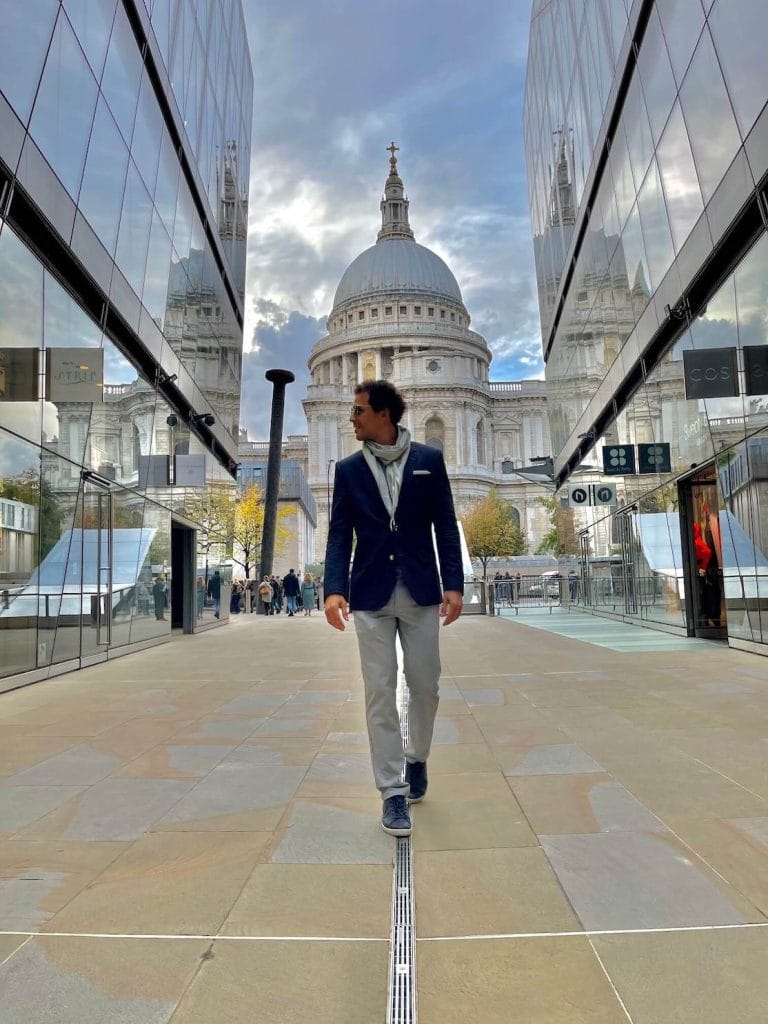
291,588
308,593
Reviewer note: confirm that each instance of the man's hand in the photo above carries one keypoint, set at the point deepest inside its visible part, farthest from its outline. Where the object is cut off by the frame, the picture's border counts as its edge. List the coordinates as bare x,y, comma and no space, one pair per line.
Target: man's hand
336,611
451,606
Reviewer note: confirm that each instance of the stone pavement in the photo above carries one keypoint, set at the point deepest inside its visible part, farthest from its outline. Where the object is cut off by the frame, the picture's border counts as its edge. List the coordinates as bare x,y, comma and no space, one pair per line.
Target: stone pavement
190,835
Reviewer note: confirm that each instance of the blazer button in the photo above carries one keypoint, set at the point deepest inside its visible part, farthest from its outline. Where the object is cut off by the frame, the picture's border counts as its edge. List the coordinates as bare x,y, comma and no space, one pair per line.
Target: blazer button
391,558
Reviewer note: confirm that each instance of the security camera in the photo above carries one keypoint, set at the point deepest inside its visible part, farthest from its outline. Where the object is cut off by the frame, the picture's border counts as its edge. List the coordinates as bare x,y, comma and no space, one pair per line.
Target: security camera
202,419
172,420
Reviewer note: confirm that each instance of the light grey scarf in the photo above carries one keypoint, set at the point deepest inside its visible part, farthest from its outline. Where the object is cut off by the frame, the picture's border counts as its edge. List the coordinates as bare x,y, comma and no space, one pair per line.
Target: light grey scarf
386,462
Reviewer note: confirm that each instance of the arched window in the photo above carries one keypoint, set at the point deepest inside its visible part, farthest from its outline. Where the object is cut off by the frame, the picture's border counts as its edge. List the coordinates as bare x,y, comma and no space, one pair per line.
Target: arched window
515,514
480,441
434,433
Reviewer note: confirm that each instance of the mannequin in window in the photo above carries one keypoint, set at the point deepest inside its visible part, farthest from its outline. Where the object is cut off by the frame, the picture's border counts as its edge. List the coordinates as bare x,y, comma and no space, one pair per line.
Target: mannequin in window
709,577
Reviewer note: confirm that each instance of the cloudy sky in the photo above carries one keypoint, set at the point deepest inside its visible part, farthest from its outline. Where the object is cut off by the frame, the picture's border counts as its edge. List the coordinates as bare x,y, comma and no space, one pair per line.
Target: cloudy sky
335,82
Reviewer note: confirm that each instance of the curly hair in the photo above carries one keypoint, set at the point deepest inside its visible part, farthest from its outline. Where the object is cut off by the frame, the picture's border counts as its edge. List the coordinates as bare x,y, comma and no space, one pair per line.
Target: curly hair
383,395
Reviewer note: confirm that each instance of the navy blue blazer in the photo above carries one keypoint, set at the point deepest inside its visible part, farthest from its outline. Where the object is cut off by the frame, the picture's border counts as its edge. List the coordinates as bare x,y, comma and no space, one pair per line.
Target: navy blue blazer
425,500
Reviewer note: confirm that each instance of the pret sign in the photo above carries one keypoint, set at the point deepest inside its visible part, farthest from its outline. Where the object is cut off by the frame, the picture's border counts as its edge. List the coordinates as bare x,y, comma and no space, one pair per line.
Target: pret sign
711,373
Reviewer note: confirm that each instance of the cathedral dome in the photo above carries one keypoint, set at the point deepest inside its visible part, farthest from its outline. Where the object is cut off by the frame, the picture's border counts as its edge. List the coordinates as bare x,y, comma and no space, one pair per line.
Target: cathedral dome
397,265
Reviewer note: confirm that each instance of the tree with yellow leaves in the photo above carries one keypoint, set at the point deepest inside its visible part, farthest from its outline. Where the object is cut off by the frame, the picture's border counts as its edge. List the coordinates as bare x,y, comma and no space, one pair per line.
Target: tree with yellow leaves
214,510
249,527
490,530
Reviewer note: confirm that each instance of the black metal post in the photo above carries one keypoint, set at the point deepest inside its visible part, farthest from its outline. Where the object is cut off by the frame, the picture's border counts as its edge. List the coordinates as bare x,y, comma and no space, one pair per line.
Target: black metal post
278,378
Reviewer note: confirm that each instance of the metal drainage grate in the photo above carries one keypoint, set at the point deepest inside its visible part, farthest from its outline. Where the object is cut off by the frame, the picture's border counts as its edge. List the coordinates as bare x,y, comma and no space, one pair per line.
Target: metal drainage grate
402,961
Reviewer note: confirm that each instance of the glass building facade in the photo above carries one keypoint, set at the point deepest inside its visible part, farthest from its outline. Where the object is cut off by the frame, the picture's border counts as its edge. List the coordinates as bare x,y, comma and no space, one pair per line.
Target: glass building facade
646,135
124,167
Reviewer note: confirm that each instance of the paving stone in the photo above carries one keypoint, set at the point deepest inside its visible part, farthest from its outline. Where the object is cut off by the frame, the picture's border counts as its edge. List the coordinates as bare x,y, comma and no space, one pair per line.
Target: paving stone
116,809
333,832
21,805
236,796
38,879
79,766
314,899
553,759
53,980
634,880
165,884
289,983
539,981
709,977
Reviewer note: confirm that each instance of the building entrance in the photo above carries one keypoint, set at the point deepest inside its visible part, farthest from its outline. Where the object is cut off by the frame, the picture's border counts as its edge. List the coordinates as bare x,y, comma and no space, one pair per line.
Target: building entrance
182,585
702,555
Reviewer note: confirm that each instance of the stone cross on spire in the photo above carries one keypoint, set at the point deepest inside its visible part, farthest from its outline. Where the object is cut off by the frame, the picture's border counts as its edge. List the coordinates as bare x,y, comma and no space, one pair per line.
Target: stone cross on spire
394,205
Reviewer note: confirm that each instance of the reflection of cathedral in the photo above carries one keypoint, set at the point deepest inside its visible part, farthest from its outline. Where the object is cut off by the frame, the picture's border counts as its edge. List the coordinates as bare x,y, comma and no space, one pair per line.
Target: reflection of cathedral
398,314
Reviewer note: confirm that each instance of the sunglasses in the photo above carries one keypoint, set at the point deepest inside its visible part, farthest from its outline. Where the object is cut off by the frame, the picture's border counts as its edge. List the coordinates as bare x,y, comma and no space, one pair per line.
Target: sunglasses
358,410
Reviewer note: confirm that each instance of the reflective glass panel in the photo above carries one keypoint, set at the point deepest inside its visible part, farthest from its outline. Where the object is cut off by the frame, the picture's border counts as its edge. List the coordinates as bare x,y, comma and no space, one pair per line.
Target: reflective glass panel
147,134
122,73
21,336
20,522
655,224
101,195
679,178
681,21
656,76
709,116
133,237
26,35
92,22
63,110
738,29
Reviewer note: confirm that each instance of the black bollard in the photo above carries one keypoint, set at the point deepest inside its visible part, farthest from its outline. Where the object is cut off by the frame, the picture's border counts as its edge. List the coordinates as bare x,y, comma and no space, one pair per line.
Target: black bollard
278,378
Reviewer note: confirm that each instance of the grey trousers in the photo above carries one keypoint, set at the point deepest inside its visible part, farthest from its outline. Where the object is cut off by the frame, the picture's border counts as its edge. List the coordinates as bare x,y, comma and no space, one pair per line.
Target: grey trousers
417,628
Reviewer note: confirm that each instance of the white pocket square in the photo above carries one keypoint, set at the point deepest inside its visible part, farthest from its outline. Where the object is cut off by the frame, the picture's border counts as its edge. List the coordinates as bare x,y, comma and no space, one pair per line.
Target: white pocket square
422,472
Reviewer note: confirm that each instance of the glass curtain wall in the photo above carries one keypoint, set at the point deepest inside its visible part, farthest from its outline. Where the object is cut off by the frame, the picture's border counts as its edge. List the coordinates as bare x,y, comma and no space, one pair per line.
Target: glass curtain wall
655,192
93,461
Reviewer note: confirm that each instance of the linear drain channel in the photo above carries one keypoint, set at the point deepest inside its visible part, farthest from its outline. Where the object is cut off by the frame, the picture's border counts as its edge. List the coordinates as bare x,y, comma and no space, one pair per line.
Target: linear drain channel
402,961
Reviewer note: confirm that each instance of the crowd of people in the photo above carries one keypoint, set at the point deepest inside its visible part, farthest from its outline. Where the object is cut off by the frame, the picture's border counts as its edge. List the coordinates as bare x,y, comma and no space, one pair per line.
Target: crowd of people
272,594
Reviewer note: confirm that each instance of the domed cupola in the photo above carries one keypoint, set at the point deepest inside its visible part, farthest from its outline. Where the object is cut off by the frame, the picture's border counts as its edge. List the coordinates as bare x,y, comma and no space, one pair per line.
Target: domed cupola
396,265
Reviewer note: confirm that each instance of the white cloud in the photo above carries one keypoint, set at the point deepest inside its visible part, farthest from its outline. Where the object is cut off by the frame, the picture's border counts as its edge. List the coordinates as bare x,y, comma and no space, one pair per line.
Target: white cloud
330,94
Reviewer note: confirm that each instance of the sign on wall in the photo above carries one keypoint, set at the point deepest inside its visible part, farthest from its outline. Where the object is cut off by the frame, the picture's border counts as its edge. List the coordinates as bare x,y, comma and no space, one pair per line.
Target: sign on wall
578,494
605,494
711,373
19,374
755,369
189,471
74,375
618,459
654,458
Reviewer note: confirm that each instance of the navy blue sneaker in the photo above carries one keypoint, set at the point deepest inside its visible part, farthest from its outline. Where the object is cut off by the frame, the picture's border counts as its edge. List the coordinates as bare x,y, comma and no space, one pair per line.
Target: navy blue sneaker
416,777
396,819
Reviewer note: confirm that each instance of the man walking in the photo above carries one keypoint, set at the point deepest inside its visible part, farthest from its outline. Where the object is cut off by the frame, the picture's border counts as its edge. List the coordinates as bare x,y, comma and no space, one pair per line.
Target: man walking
390,496
291,587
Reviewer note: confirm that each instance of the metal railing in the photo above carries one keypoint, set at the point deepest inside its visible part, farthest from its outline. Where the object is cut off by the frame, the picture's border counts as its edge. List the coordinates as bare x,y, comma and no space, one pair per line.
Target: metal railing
533,592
